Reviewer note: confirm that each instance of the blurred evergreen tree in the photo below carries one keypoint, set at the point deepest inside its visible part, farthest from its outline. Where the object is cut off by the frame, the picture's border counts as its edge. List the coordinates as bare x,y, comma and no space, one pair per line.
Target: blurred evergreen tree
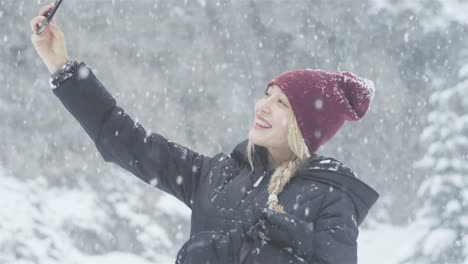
444,192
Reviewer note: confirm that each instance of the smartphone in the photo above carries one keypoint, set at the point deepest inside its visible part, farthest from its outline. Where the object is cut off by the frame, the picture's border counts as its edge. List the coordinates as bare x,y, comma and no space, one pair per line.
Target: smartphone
49,16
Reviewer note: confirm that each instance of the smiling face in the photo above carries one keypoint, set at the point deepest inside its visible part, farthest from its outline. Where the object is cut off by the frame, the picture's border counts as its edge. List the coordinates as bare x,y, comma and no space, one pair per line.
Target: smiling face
270,126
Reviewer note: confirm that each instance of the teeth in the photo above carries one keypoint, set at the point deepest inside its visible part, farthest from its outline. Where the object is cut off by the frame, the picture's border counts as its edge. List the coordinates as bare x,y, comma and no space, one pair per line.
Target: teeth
262,124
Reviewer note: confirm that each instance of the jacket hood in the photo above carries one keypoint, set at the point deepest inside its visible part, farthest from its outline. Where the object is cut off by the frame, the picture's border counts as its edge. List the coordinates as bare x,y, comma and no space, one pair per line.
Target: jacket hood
336,174
321,169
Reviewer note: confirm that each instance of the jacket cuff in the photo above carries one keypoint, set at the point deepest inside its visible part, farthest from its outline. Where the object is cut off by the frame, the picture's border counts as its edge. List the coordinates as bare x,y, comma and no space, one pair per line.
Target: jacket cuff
65,72
84,97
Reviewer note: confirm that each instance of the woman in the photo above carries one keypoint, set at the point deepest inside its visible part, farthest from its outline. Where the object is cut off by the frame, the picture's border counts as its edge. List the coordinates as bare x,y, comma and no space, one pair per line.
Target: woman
273,199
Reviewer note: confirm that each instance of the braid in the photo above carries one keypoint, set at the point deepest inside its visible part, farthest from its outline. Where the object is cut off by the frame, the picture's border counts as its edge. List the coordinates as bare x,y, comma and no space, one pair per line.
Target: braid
279,179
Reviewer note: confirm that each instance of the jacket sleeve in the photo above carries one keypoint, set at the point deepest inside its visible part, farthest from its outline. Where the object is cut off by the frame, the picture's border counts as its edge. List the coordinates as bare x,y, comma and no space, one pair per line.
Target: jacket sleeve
335,231
160,162
329,238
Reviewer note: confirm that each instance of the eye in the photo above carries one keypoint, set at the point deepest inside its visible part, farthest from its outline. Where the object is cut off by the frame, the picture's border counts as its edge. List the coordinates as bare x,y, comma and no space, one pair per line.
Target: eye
282,103
266,92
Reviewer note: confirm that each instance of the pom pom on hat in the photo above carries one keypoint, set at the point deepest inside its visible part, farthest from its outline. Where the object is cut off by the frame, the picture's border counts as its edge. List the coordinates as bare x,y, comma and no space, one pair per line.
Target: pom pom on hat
322,101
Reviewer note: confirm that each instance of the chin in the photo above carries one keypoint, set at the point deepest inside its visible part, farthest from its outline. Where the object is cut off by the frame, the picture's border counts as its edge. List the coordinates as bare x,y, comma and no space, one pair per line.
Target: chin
255,139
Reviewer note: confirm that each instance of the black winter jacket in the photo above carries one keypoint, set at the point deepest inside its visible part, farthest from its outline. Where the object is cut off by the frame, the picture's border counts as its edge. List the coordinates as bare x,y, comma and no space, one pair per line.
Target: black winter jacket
324,202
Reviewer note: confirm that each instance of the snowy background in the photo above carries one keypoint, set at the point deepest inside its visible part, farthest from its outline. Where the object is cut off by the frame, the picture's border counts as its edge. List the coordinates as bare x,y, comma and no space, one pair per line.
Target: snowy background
192,71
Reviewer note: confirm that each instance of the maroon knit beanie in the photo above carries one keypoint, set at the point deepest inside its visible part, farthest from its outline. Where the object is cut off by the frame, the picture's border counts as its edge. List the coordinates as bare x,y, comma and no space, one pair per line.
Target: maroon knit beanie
322,101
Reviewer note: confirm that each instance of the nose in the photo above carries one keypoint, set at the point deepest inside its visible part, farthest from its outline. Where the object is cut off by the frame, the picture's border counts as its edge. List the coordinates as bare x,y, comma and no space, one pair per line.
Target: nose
264,106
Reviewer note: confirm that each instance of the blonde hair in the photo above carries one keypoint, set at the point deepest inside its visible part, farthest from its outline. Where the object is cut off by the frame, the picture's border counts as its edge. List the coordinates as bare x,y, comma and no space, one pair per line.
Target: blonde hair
285,171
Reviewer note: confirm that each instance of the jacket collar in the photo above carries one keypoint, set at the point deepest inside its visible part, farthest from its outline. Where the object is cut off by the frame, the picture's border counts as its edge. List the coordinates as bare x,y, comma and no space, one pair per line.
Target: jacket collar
321,169
260,157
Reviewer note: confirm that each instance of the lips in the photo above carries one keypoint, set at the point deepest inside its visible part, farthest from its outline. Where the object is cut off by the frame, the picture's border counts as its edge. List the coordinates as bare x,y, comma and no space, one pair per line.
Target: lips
263,120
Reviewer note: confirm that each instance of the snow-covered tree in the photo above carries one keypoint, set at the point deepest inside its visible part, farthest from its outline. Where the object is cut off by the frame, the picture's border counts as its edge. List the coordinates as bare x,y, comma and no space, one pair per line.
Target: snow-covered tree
445,190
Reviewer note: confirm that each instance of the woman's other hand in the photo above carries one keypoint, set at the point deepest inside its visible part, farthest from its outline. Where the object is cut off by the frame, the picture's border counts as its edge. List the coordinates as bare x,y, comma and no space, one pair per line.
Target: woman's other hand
279,228
50,44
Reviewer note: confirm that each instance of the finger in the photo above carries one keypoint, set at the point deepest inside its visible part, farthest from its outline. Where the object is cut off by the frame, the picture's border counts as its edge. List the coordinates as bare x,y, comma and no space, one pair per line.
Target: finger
259,224
35,39
35,23
43,11
55,30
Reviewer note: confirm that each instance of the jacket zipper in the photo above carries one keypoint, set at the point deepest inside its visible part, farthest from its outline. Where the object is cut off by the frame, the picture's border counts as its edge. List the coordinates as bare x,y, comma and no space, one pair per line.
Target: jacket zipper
259,179
244,246
255,190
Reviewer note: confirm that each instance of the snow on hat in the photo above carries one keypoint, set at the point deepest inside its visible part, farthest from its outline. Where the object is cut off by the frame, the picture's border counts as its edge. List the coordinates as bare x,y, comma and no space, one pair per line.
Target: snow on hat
322,101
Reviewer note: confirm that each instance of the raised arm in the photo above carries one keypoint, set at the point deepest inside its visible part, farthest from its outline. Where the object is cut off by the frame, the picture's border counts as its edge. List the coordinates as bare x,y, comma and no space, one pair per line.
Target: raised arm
169,166
157,161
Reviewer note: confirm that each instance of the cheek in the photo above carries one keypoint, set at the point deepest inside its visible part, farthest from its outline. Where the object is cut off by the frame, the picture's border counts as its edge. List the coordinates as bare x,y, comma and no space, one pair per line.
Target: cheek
283,126
284,122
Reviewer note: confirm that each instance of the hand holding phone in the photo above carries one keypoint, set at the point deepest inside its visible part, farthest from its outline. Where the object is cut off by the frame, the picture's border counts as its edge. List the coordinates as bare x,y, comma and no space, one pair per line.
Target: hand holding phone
50,45
49,17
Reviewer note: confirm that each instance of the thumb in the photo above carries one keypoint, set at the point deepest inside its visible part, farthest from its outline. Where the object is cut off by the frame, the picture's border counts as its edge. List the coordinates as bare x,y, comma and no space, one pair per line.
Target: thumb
253,230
